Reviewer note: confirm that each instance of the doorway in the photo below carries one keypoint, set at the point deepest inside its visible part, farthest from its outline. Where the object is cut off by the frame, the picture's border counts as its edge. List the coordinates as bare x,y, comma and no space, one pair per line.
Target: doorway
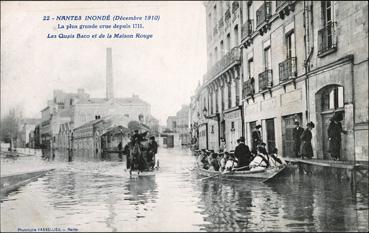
288,124
270,134
329,100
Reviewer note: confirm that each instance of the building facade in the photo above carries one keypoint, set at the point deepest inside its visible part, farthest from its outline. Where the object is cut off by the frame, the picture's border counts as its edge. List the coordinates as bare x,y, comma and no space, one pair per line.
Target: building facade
299,60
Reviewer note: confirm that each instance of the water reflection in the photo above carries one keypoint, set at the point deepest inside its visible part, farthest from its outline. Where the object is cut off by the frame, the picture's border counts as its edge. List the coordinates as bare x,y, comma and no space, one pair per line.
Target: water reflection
100,196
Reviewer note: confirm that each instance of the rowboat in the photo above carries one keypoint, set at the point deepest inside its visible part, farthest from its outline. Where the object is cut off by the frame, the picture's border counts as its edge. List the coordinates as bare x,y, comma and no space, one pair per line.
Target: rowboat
262,174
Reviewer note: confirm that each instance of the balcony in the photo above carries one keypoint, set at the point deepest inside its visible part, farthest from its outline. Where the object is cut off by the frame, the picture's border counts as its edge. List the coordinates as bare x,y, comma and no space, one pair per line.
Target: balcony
263,13
287,69
228,60
227,15
248,88
327,39
246,30
265,80
235,6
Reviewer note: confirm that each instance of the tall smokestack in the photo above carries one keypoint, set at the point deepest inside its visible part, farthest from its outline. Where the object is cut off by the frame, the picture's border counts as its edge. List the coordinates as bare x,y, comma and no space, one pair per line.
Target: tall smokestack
109,74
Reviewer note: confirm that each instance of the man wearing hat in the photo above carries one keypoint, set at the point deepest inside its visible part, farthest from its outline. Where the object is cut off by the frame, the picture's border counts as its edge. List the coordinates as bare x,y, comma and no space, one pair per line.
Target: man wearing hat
242,153
306,147
152,151
256,138
334,135
296,134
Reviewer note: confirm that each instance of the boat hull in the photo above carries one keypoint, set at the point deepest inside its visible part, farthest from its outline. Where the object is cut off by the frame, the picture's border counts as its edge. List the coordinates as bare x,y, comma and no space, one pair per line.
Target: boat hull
262,174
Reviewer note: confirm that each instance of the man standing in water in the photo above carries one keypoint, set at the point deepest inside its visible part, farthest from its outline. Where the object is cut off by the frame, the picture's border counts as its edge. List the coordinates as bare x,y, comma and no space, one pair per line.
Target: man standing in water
152,150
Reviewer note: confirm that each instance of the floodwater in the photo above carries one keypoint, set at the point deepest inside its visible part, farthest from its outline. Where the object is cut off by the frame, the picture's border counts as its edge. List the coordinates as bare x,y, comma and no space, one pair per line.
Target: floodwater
100,196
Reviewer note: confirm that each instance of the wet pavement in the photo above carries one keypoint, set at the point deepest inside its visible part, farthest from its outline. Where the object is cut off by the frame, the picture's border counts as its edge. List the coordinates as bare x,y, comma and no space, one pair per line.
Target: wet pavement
100,196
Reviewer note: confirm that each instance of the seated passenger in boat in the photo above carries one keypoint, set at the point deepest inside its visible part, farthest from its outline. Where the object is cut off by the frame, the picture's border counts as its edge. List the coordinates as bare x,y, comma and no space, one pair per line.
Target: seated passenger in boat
214,163
260,161
231,163
243,154
223,161
276,161
202,160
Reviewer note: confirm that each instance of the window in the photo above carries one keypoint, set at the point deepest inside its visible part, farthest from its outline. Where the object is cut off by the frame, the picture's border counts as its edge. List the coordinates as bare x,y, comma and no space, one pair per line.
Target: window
235,36
71,102
212,129
228,42
249,4
332,98
222,98
211,103
215,13
291,52
327,12
237,91
229,95
267,58
221,48
250,68
216,101
232,125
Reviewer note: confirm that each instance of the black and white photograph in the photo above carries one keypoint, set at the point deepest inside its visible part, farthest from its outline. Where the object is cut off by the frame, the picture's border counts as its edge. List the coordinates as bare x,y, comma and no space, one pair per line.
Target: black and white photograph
184,116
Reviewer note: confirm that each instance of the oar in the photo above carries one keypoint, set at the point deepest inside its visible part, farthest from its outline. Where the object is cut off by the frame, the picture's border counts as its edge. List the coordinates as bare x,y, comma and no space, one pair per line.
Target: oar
211,176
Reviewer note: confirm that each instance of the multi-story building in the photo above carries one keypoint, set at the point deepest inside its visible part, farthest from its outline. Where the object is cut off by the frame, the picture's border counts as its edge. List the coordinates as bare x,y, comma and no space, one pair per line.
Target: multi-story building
220,94
299,60
306,60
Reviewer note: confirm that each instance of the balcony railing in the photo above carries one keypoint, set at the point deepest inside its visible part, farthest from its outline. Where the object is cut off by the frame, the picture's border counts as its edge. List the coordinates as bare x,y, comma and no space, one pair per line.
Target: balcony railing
233,56
227,15
287,69
247,28
248,88
265,80
235,6
327,38
263,13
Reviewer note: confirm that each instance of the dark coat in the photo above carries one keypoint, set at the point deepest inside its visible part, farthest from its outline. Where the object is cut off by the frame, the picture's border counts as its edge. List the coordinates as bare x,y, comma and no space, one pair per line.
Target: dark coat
296,135
243,155
256,139
334,137
306,147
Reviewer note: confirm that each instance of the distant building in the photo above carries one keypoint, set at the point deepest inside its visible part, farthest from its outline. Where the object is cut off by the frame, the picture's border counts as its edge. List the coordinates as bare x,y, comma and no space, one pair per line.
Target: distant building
178,125
27,127
182,124
77,109
172,123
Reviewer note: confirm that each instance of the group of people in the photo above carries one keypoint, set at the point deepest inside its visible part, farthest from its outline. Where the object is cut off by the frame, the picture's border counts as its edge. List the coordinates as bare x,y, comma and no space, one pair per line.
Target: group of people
240,159
141,153
302,138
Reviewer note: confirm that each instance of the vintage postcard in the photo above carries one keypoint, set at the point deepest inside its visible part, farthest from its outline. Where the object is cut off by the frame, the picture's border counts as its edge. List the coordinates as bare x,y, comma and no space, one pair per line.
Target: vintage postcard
184,116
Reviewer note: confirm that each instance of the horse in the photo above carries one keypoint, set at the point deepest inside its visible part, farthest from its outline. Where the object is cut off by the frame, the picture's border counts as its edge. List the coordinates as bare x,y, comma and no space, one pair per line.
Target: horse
137,161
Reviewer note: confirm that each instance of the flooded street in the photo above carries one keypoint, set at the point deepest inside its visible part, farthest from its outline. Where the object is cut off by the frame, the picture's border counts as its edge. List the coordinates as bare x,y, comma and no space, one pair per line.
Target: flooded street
100,196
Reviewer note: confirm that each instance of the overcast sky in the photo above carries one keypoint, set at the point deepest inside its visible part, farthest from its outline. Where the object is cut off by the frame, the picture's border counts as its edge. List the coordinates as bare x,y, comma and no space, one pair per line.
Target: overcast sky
163,71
